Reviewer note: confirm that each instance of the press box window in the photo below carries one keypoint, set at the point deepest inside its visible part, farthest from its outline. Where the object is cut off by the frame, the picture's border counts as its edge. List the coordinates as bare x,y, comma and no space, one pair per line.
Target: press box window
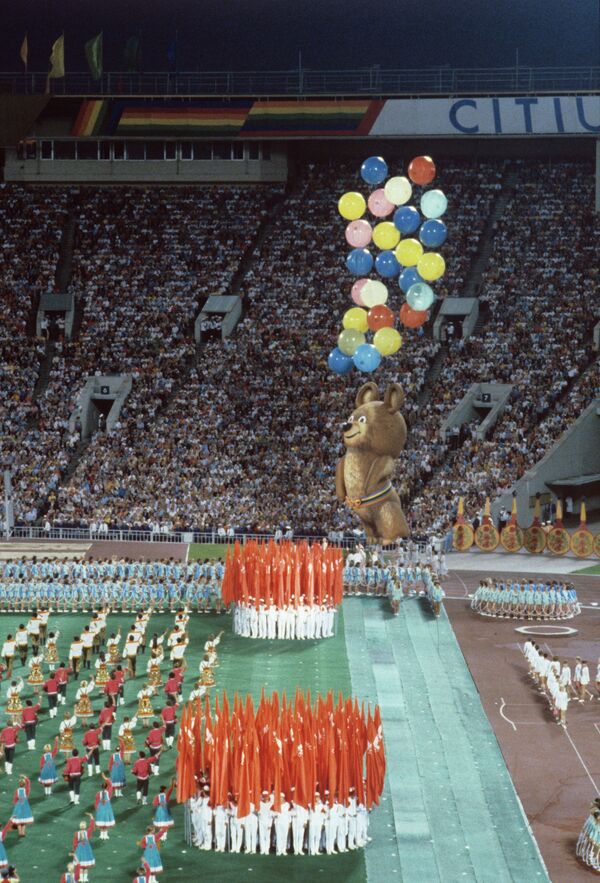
155,150
64,150
136,150
46,148
253,150
186,148
87,150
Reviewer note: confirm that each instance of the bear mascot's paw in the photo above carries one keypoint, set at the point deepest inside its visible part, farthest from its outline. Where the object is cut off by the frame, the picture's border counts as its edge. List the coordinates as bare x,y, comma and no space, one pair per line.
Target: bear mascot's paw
374,435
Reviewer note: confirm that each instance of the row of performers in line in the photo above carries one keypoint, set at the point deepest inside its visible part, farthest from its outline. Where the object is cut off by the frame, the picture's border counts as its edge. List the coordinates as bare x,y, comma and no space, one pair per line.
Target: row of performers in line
103,818
526,599
302,622
20,595
433,592
324,826
588,843
377,579
101,568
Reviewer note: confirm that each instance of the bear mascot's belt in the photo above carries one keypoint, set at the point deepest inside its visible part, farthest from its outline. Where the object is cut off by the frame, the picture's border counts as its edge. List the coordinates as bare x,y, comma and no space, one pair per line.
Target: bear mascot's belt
377,497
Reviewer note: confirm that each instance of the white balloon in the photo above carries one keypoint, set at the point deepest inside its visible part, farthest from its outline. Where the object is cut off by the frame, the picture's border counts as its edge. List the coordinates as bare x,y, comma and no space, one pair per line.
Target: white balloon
374,293
398,190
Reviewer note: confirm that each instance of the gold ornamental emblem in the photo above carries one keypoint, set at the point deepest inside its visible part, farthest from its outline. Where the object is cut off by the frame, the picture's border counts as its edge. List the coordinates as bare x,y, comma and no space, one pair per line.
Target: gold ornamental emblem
512,537
487,537
462,537
534,539
597,545
582,543
558,541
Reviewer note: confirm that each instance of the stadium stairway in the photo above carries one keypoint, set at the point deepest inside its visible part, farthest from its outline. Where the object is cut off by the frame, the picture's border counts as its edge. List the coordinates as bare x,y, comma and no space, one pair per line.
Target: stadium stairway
43,376
274,207
449,809
480,262
64,265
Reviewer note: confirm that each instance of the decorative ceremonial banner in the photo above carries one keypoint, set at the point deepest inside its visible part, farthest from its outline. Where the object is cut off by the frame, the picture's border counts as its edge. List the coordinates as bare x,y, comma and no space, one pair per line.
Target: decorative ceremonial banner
582,541
512,535
487,537
24,51
462,533
514,115
312,117
597,545
558,539
534,539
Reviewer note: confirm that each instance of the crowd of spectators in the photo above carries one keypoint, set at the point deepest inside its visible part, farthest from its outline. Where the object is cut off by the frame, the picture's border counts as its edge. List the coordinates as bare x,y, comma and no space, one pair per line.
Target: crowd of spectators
247,432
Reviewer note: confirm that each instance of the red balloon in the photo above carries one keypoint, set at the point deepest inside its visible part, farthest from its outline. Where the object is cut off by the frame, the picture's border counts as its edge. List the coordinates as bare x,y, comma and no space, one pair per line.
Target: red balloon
411,318
422,170
380,317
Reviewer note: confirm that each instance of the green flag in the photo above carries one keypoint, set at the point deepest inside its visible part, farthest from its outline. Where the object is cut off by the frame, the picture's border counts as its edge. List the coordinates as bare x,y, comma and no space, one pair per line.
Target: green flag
93,53
133,55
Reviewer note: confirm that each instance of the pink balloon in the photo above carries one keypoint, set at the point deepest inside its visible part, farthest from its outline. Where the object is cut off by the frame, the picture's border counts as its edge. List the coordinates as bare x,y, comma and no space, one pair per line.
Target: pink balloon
356,290
358,234
379,205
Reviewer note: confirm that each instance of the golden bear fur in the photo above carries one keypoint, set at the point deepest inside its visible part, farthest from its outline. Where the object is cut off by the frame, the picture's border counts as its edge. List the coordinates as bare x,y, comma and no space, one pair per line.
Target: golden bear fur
374,436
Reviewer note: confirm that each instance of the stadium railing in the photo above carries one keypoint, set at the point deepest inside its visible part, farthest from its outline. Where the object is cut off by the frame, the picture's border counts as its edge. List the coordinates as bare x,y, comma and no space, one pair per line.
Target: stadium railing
365,81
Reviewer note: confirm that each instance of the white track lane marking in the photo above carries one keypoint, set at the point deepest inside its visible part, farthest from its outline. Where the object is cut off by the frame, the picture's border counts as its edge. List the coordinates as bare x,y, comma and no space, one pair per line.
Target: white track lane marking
507,719
460,579
581,760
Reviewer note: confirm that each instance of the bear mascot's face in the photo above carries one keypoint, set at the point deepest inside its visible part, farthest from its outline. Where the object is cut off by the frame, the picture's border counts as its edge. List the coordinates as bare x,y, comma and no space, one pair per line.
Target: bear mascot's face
374,425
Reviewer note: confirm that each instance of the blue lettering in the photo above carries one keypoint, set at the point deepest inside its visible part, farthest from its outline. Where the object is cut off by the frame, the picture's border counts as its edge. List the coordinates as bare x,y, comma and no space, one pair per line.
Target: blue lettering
497,120
558,114
580,113
453,114
526,103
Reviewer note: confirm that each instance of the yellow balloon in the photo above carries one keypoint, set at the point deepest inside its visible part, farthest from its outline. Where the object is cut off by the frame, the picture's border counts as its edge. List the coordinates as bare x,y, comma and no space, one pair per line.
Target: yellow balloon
431,266
386,235
409,252
355,318
387,341
352,206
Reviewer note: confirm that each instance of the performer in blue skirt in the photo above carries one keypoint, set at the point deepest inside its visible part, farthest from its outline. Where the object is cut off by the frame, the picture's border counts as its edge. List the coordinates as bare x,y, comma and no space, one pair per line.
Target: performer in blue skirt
48,775
105,817
3,855
163,820
117,772
84,854
151,855
22,815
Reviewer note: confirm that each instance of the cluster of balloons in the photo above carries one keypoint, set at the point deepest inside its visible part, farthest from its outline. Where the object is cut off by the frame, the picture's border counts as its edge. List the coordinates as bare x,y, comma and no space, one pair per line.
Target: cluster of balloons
404,238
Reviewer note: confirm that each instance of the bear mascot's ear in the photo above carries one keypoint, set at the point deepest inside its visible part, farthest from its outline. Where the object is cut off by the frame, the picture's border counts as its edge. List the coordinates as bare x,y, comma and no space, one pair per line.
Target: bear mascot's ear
394,397
367,393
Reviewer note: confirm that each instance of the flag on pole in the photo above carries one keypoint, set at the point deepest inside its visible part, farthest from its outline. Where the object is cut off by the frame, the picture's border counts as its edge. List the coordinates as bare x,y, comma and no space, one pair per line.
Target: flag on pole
133,55
93,54
24,51
57,58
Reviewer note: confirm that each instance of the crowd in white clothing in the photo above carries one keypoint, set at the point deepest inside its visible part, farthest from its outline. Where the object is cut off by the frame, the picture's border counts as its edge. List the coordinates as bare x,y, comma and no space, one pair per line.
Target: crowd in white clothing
557,681
293,828
304,622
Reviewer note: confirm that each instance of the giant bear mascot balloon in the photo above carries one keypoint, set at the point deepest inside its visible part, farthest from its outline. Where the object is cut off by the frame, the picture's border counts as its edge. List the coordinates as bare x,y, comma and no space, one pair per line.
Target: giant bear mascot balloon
374,436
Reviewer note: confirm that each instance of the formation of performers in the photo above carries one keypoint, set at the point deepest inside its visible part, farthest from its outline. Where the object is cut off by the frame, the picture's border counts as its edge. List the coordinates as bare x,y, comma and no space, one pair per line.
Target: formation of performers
588,844
557,681
292,828
526,599
304,622
73,585
106,746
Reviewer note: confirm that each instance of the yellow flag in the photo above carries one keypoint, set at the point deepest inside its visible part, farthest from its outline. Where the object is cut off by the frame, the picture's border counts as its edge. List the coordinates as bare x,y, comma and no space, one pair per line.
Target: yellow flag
57,58
24,52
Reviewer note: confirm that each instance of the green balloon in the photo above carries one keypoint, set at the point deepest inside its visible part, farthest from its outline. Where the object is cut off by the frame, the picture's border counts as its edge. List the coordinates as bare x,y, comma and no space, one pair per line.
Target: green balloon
349,340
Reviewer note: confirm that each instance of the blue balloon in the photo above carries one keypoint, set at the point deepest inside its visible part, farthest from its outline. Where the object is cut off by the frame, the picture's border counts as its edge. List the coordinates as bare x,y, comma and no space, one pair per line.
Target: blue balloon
407,219
420,296
386,264
366,357
374,170
360,261
339,362
409,276
433,233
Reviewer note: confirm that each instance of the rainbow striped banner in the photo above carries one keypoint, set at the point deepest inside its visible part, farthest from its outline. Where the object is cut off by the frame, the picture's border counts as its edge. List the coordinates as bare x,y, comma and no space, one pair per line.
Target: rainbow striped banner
175,118
90,119
311,117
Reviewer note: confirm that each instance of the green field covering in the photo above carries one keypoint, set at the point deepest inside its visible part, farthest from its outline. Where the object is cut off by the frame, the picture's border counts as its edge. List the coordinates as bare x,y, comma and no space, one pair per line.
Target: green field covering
593,569
245,666
207,550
